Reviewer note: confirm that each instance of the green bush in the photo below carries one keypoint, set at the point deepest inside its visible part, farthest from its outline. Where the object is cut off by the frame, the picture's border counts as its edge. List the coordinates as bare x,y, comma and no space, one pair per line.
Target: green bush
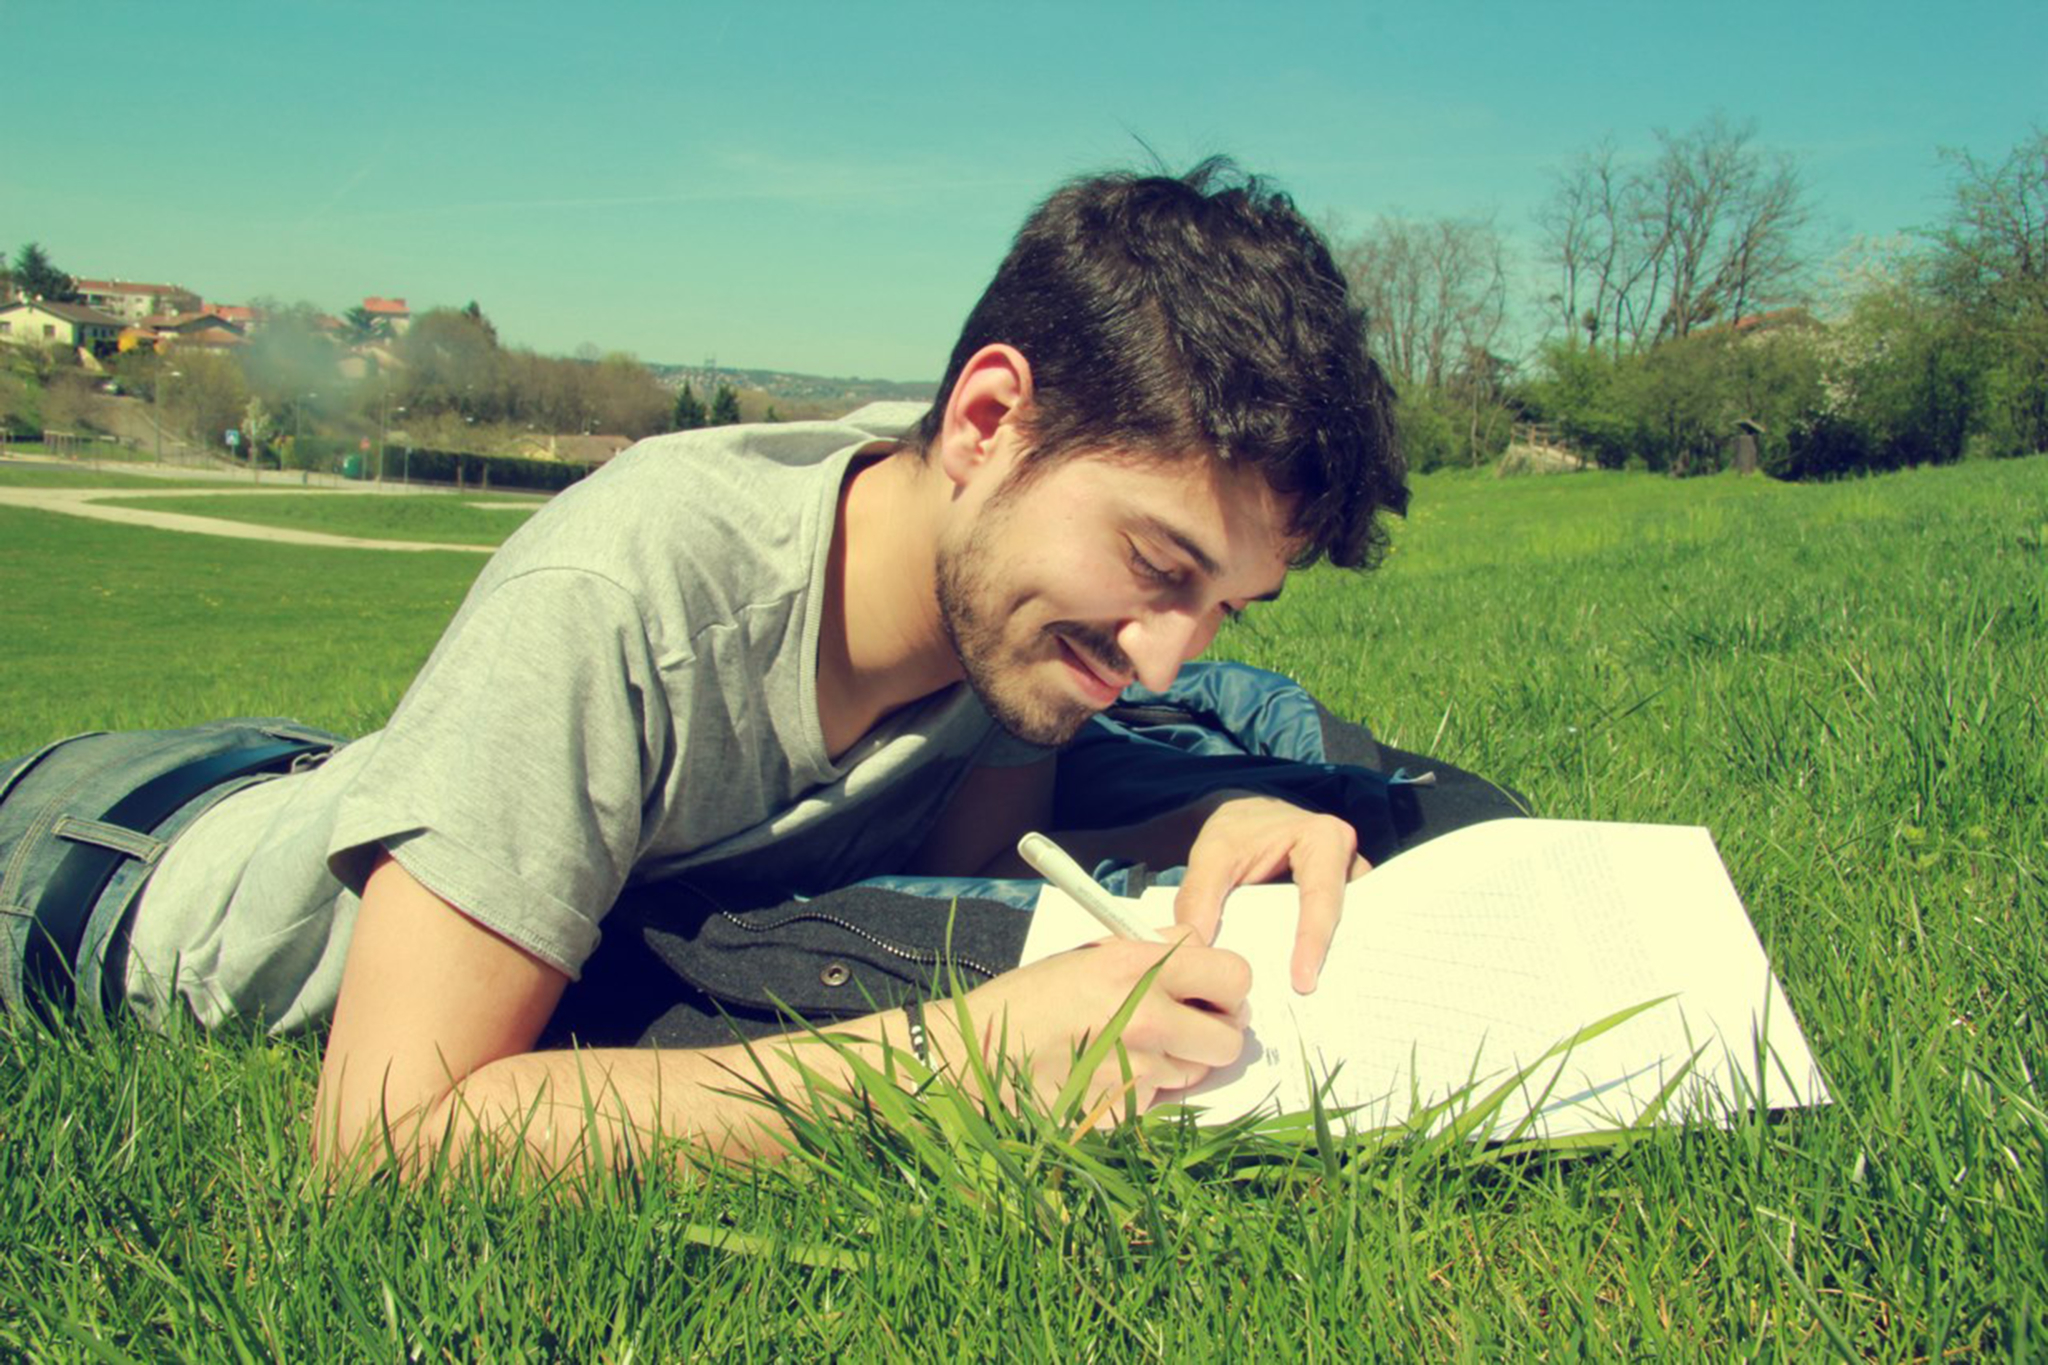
1440,428
493,471
320,453
1578,390
1821,445
1428,440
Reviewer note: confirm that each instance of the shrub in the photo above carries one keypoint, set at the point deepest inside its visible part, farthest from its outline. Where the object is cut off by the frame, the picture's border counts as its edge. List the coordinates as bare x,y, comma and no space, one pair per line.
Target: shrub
1820,445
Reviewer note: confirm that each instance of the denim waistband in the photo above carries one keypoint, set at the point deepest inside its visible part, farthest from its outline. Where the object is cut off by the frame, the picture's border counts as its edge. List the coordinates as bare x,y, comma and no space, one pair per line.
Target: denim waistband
56,801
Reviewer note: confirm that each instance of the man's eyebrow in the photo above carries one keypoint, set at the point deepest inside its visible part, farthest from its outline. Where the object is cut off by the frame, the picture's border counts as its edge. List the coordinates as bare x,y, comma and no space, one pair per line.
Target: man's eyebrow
1204,561
1189,546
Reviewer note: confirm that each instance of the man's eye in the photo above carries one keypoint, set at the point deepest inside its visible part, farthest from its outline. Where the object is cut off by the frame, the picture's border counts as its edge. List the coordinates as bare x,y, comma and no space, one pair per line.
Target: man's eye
1150,572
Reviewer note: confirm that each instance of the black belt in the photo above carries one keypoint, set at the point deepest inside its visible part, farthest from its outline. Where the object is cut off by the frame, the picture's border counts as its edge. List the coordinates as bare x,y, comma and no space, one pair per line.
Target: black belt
50,956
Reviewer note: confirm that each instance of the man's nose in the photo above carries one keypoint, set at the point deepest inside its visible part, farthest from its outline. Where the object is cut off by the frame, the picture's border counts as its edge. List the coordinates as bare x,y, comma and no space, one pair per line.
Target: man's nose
1159,642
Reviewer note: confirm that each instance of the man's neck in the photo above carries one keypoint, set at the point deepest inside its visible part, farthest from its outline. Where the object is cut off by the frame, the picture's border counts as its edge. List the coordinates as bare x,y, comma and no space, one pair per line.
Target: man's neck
882,644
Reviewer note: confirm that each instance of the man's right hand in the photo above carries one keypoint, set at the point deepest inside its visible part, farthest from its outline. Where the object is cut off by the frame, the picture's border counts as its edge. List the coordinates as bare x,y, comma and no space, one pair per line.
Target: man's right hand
1189,1022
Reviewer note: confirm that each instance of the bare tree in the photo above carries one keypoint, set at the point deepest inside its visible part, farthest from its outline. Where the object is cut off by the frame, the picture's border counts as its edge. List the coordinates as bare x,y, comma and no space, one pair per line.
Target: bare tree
1582,235
1994,249
1991,261
1710,230
1434,292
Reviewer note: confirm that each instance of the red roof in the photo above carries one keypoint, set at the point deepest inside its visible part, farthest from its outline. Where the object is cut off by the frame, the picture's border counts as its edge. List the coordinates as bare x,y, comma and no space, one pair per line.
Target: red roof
231,312
387,307
1776,317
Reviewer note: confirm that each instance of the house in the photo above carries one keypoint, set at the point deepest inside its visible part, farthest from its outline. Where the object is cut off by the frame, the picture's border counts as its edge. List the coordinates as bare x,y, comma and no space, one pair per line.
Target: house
393,313
182,326
187,324
245,318
38,322
133,302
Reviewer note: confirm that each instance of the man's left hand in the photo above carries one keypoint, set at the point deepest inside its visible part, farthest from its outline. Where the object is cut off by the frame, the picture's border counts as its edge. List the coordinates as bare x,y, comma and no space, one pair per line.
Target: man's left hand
1261,838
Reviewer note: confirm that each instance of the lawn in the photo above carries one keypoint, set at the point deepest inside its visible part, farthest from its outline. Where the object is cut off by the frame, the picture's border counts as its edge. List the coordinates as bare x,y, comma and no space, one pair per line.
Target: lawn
1845,683
434,519
73,476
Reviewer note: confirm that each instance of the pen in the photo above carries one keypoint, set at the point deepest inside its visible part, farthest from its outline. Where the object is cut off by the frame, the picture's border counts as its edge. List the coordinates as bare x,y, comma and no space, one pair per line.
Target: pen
1063,872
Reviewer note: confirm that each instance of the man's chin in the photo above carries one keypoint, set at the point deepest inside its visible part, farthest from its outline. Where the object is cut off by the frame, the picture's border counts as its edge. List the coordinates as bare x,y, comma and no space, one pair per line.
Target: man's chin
1043,726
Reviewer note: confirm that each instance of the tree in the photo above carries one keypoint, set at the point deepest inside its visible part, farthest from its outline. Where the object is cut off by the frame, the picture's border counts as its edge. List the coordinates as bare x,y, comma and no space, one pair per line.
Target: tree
35,276
1435,297
624,397
17,403
689,412
452,363
725,407
476,315
257,426
207,398
65,396
360,326
1903,369
1711,230
1991,264
1433,291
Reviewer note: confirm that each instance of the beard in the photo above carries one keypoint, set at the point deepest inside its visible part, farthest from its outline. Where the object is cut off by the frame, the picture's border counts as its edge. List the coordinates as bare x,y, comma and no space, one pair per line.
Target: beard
1001,672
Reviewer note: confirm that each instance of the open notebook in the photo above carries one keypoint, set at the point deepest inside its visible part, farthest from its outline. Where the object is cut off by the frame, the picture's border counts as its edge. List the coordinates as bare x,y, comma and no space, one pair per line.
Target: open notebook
1465,960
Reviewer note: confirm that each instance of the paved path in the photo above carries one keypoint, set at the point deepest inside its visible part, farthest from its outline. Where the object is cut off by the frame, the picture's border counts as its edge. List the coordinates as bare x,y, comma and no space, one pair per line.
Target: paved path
85,502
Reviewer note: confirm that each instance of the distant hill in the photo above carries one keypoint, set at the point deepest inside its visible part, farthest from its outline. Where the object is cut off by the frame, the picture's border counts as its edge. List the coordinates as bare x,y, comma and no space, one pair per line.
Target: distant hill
796,395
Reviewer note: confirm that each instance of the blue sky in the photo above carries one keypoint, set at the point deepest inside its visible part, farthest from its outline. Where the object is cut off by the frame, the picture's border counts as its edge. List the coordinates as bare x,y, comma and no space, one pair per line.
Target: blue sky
825,187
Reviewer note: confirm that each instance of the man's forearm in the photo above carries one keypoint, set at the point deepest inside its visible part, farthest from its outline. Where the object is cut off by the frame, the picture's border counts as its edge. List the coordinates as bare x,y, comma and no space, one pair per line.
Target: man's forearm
614,1106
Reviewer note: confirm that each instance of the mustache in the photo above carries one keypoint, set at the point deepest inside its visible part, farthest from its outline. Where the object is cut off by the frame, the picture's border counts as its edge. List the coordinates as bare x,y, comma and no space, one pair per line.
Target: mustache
1098,646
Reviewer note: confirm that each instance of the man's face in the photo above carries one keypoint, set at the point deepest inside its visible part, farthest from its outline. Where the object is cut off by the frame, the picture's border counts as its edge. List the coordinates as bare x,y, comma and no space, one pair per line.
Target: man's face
1063,588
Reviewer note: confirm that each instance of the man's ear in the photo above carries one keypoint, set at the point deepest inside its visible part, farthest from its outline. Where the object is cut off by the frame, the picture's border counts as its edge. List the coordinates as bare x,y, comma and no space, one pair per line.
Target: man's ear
982,411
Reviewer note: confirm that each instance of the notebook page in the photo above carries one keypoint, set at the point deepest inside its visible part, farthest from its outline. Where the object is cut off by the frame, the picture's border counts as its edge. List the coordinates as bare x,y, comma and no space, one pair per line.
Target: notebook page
1467,959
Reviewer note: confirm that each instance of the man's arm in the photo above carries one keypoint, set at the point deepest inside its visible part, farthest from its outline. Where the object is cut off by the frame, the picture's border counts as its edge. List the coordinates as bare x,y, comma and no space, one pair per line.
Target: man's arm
432,1038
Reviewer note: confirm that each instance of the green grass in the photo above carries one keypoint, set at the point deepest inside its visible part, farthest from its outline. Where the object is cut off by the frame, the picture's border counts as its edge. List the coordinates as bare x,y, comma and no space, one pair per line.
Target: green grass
65,476
1846,683
98,448
129,627
436,520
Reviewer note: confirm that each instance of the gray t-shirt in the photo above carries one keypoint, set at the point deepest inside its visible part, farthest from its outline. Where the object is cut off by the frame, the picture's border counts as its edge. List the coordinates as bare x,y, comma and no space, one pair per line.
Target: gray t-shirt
629,693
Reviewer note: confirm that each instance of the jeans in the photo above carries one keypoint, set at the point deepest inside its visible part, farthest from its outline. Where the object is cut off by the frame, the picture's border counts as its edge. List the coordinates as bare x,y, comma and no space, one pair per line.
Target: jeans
56,800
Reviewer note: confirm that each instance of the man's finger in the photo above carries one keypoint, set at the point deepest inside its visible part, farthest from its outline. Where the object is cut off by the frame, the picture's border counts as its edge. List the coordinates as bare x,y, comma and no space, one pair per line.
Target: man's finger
1322,905
1199,903
1215,976
1322,866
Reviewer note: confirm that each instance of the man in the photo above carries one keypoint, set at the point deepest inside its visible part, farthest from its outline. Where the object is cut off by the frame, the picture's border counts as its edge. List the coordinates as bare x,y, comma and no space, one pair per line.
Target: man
812,653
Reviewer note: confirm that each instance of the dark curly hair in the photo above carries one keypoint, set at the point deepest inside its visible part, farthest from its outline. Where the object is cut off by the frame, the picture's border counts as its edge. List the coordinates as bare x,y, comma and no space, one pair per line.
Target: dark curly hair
1201,312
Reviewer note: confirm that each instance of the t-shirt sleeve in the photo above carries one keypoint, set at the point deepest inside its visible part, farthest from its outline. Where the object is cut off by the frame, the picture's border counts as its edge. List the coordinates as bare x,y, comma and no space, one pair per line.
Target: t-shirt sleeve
514,778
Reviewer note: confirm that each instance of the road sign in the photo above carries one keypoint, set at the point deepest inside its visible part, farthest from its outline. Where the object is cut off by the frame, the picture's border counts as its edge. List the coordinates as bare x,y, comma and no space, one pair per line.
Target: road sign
234,437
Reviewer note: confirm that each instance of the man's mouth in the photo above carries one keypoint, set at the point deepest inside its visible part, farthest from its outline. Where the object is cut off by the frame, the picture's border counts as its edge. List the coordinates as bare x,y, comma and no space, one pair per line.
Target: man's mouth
1100,685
